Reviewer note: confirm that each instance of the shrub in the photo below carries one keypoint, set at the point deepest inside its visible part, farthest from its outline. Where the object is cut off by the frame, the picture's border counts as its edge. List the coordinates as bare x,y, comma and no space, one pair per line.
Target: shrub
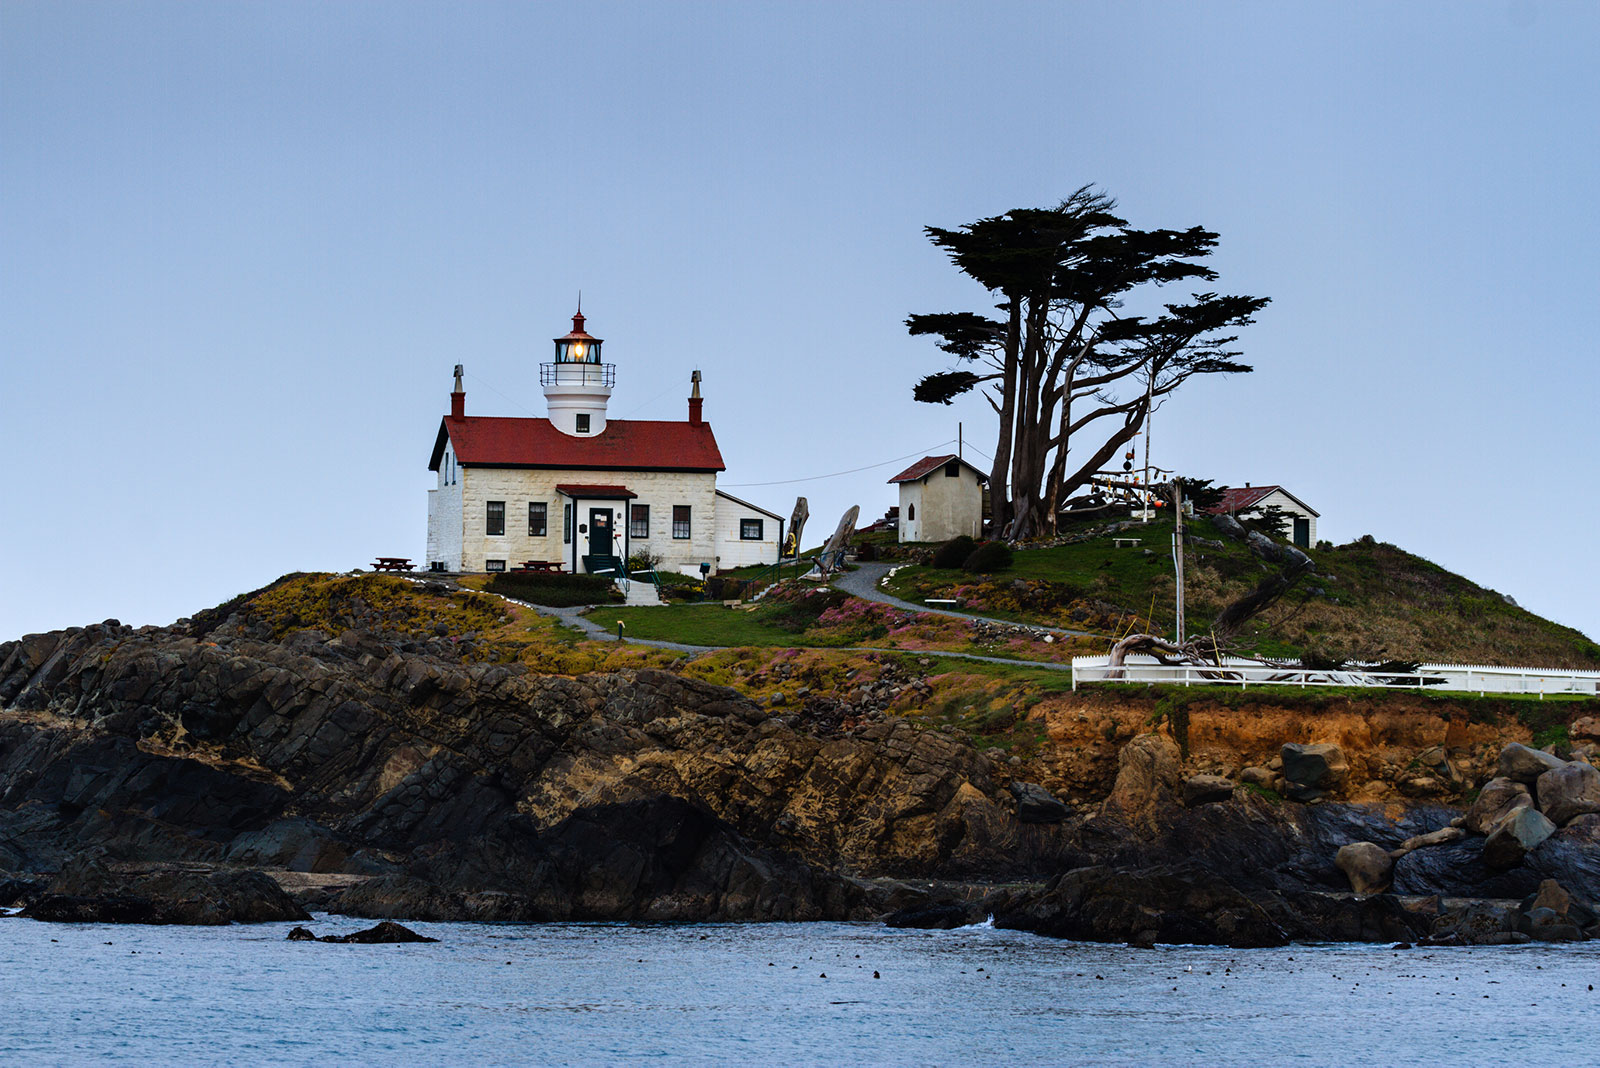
953,553
990,556
555,591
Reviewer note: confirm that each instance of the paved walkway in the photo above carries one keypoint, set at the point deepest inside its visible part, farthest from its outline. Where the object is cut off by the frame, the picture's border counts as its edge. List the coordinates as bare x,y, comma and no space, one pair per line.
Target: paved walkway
863,583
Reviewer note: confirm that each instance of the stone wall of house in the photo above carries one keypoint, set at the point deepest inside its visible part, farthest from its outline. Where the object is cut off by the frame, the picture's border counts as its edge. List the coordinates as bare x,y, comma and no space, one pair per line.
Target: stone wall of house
659,490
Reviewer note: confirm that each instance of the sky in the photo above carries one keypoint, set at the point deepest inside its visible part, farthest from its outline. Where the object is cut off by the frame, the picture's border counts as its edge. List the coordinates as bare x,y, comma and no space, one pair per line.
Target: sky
242,246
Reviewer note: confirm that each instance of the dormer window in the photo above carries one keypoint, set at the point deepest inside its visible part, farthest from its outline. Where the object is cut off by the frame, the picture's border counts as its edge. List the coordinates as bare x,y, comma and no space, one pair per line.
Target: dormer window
583,422
952,469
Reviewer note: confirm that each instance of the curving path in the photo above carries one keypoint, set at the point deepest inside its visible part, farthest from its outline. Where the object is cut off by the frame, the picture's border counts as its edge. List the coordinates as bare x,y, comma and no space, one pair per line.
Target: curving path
863,583
573,617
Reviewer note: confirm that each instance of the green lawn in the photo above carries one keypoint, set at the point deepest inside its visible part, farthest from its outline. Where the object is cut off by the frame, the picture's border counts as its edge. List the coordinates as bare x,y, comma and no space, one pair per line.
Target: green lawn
704,624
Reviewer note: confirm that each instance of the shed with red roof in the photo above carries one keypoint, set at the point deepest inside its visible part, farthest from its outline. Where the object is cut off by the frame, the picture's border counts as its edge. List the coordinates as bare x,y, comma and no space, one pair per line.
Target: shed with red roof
941,497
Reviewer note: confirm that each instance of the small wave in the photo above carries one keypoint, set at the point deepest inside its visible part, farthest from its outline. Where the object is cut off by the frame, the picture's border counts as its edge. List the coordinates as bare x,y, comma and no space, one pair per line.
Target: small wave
986,925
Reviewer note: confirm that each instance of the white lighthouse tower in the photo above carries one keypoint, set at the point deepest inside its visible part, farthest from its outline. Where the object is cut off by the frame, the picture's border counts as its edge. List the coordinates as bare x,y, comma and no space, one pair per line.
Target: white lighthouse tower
577,385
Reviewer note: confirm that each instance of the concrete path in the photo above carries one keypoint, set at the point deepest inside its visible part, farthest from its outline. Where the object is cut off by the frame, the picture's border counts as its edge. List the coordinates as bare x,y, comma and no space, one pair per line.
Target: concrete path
863,583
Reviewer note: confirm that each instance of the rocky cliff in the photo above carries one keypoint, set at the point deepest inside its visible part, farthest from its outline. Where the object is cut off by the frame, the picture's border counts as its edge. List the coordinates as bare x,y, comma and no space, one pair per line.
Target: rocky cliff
397,771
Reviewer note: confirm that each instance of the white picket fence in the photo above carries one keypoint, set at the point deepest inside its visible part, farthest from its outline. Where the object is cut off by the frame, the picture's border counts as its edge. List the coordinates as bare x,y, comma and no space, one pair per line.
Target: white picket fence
1466,678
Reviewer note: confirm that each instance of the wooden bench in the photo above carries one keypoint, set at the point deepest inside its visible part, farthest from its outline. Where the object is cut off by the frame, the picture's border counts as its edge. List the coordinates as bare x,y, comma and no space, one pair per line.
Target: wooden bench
942,602
392,563
541,567
1125,543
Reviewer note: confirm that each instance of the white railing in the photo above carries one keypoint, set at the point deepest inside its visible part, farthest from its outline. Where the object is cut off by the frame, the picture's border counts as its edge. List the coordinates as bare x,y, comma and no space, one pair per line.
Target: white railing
1466,678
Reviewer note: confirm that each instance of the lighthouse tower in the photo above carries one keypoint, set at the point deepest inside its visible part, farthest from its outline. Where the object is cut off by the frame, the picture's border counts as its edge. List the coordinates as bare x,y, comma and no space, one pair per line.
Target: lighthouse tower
577,385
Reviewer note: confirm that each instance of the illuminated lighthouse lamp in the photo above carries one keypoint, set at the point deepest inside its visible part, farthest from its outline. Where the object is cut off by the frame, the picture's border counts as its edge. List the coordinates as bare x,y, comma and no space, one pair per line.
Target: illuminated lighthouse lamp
578,346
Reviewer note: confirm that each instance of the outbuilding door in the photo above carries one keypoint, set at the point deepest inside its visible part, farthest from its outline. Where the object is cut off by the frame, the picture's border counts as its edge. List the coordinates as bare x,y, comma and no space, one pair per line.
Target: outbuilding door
1302,532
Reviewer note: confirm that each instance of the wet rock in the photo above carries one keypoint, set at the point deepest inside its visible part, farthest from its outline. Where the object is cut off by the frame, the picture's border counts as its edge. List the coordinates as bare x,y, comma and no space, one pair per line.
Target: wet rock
1525,765
87,892
933,917
1369,867
1181,904
1517,836
1206,789
386,933
1568,792
1035,804
1498,801
1310,771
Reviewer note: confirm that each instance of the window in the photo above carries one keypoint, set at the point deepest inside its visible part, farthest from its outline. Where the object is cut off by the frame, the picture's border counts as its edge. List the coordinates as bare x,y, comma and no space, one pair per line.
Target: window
494,565
566,524
750,529
537,514
583,422
952,469
496,521
680,521
639,521
911,513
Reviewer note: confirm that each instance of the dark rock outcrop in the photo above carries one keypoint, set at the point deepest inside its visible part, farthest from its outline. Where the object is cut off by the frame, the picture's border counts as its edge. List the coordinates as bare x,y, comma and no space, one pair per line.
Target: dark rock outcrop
87,892
386,933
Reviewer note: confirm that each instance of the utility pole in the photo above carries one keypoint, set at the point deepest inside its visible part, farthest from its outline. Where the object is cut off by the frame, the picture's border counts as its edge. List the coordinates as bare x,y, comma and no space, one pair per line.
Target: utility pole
960,445
1177,548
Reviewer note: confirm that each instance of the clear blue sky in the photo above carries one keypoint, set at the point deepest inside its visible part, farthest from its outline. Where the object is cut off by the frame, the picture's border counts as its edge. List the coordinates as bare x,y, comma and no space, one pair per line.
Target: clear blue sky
242,244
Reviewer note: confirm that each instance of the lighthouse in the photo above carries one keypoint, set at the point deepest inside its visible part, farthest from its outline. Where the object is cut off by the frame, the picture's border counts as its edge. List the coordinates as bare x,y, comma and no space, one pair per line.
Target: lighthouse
577,386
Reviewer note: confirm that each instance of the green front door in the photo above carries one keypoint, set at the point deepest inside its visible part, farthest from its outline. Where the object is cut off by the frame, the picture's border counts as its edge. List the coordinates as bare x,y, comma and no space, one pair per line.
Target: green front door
600,532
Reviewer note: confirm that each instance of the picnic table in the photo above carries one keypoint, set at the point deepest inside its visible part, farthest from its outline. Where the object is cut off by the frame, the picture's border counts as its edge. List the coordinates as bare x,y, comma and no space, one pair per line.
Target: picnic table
392,563
546,567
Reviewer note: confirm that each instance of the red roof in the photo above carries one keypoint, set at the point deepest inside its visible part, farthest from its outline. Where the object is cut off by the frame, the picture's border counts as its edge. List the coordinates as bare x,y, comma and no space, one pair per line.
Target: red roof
1237,499
624,445
593,492
929,464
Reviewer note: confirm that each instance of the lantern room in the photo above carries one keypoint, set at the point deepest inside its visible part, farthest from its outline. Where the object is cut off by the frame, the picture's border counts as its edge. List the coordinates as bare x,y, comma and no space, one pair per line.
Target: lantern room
578,346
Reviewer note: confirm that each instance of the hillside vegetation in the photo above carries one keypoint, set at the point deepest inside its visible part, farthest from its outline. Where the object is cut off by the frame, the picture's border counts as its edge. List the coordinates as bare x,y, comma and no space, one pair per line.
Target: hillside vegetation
1366,599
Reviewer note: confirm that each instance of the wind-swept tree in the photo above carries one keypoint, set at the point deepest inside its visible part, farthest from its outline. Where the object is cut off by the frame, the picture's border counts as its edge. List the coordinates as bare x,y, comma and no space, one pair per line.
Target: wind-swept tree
1068,366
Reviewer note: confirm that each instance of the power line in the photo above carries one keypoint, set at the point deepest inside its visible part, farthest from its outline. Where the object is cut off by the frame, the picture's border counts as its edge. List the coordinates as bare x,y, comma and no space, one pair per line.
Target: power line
836,474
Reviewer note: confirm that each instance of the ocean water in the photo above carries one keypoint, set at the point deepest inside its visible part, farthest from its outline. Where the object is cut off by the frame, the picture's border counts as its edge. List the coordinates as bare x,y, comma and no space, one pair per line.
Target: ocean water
756,994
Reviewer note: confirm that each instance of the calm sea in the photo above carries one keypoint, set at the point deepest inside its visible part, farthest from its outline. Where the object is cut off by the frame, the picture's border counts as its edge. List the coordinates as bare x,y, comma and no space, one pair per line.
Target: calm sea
756,994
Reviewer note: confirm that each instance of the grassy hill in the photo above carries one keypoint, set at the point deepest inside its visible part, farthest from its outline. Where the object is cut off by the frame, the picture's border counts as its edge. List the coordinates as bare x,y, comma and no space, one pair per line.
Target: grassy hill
1366,599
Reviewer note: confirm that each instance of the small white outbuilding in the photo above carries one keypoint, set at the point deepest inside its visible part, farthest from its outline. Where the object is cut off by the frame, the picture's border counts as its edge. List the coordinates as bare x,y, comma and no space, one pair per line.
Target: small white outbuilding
941,497
1301,526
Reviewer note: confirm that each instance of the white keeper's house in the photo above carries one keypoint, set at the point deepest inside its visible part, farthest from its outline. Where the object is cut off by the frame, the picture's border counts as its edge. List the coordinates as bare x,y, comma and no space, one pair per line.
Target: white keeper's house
582,490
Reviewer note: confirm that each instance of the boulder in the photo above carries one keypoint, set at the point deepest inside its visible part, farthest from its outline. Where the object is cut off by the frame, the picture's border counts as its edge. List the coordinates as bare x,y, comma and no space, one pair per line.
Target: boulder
1585,729
1035,804
1437,761
1206,789
1498,801
1313,770
1368,866
1569,791
1257,776
1515,838
1525,765
932,917
1148,780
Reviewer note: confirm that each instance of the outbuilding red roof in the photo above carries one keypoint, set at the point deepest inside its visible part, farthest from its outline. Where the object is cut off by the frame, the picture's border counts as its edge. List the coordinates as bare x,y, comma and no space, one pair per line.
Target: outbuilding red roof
1237,499
624,445
929,464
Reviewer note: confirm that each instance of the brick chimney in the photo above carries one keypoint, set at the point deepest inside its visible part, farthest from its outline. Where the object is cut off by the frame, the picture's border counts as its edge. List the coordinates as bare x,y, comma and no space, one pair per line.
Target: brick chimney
458,397
695,416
